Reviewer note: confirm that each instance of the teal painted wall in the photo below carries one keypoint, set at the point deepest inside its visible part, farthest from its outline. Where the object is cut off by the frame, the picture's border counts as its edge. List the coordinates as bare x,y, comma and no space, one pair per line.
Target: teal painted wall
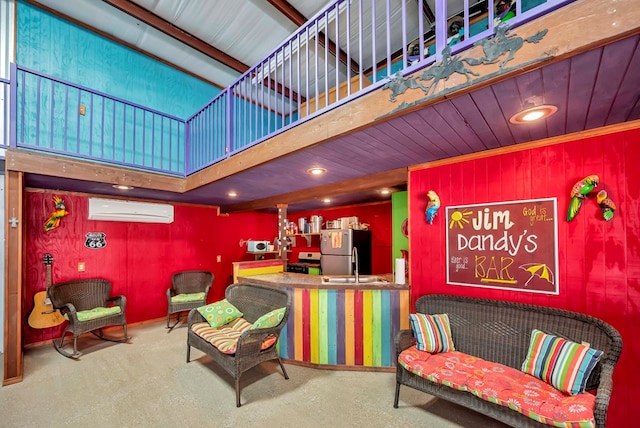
51,45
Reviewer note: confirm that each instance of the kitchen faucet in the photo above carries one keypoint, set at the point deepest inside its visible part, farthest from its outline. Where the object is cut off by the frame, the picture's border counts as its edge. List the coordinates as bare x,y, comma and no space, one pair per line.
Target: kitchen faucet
354,256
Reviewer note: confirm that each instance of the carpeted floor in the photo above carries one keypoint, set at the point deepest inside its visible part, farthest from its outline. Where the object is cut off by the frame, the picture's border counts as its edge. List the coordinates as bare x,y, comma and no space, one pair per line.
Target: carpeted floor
147,383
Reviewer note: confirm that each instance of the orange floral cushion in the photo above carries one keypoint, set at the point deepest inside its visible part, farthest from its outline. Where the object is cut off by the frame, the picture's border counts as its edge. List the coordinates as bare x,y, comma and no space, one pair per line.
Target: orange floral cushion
502,385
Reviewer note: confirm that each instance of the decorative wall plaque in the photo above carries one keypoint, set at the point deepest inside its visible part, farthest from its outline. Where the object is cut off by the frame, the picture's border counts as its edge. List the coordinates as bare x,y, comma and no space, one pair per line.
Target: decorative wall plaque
95,240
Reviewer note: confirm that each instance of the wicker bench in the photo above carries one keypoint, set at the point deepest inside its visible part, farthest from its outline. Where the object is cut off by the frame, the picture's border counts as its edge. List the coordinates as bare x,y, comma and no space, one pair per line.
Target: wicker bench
500,332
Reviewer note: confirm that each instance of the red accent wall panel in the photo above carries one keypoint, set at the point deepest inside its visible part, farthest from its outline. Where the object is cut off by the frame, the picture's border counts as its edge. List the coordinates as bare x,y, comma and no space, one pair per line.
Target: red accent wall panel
139,258
599,262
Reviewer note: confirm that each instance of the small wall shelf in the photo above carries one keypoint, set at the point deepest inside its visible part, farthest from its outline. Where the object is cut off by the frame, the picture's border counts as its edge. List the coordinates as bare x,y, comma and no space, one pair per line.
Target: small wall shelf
307,236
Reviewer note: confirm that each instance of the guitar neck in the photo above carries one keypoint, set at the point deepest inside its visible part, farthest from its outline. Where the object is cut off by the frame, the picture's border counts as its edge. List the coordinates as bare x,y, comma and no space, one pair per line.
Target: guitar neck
48,277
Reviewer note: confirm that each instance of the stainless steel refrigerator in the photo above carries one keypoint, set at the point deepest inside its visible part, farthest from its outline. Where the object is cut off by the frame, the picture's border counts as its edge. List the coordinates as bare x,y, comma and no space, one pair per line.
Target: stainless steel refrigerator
336,248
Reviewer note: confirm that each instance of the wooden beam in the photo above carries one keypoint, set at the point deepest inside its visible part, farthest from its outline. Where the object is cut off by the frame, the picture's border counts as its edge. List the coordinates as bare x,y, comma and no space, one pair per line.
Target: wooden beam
391,178
149,18
13,251
285,8
427,12
58,166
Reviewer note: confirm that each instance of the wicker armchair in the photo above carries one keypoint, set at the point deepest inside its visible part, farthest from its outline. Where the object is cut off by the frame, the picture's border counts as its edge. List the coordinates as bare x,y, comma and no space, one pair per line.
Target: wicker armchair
253,301
72,298
184,285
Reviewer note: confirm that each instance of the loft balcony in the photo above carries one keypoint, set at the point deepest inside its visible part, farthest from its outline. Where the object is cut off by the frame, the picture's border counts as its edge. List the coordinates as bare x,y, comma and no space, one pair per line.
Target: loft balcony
364,89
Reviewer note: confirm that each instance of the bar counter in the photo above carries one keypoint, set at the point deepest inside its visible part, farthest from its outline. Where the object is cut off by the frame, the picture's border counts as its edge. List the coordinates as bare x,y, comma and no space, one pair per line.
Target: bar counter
340,326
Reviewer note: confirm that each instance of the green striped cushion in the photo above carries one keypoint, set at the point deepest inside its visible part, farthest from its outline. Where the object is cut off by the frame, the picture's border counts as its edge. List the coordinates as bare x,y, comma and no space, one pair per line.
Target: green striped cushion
92,314
187,297
560,362
432,332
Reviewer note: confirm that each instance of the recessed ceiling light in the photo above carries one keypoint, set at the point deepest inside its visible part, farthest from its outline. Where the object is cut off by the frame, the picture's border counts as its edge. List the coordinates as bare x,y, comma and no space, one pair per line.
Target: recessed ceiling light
122,187
316,171
534,113
232,194
326,200
385,191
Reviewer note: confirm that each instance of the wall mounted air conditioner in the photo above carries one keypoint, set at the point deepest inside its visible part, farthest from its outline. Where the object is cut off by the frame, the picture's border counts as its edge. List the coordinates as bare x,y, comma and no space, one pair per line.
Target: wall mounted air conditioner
117,210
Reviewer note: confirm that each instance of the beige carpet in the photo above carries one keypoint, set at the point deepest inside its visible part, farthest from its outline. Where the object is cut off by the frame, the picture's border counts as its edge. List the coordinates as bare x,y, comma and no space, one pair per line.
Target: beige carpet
147,383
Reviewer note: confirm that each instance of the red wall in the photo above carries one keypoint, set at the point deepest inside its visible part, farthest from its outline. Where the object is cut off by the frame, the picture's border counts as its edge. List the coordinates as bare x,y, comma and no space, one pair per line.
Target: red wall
377,215
139,258
599,262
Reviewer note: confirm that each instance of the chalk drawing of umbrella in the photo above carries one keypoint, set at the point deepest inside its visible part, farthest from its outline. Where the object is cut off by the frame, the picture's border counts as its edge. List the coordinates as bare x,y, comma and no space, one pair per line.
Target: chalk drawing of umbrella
538,269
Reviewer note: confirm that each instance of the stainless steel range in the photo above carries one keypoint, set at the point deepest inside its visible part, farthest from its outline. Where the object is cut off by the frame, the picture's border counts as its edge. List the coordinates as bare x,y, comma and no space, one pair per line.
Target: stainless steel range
307,263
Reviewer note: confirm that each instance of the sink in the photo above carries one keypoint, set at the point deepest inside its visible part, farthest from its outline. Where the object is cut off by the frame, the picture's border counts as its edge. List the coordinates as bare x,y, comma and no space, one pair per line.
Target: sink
352,280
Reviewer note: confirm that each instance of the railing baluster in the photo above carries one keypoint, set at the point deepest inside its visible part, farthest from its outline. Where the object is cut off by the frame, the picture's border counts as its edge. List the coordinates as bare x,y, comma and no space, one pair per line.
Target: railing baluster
91,124
102,128
53,110
373,40
348,68
337,54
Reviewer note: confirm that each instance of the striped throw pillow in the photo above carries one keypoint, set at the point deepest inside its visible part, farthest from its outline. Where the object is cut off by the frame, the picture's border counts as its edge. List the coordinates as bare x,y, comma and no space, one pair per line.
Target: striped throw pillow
560,362
432,332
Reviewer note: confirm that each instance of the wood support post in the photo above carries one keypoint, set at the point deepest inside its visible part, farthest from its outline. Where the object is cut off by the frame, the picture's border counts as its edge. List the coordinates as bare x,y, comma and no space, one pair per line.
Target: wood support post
14,246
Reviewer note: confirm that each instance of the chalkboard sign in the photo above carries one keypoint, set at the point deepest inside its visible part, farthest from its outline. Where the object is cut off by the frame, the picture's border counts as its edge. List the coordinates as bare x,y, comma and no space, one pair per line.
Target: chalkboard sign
506,245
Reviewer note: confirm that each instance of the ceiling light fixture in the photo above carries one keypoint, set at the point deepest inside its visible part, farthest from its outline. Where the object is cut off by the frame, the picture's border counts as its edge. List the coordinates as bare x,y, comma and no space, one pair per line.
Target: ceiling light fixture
232,194
316,171
385,191
122,187
326,200
533,113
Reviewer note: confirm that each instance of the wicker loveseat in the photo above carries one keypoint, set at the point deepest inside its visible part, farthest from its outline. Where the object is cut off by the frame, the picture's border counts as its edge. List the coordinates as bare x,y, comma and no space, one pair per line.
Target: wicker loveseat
500,332
253,346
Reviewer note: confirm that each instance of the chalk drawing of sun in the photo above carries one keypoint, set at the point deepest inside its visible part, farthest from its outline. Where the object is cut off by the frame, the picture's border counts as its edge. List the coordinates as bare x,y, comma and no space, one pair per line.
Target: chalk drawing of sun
458,218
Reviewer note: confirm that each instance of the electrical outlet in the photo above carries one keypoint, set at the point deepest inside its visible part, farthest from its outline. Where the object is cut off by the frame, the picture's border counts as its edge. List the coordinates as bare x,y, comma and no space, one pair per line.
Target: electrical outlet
81,266
83,109
219,259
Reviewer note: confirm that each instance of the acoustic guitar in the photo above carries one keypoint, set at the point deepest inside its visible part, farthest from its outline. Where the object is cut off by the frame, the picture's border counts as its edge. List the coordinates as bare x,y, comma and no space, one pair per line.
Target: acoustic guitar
43,315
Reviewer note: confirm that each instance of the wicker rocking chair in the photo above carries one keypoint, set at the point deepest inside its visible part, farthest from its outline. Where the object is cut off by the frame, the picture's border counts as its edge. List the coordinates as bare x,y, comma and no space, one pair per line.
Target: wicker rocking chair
189,290
87,305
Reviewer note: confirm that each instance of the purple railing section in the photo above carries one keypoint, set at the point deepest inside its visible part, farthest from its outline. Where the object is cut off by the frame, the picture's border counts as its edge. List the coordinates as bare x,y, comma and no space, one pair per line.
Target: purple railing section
348,49
60,117
5,91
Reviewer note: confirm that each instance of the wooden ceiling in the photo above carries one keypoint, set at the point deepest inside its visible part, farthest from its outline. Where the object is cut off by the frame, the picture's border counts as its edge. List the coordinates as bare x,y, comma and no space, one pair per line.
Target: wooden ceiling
591,77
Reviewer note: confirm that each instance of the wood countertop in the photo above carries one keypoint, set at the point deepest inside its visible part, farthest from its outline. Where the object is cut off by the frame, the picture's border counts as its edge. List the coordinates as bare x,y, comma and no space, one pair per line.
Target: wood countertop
300,280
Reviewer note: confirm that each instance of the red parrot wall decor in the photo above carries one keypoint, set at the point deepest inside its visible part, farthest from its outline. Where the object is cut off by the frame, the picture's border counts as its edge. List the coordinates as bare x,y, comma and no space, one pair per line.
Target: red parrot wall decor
59,212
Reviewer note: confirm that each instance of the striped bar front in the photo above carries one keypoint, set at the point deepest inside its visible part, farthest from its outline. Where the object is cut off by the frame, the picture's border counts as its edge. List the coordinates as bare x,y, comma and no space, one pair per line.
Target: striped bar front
344,327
